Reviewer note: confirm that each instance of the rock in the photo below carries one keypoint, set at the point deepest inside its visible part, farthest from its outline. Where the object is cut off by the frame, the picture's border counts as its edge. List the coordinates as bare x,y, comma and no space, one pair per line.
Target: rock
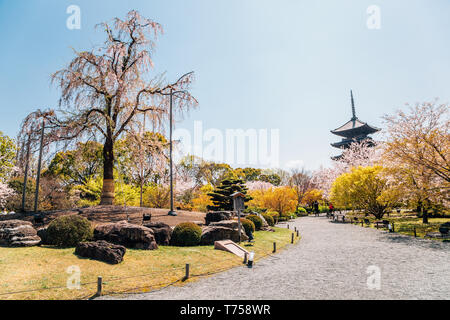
101,250
126,234
42,233
162,232
444,228
216,233
18,233
215,216
232,224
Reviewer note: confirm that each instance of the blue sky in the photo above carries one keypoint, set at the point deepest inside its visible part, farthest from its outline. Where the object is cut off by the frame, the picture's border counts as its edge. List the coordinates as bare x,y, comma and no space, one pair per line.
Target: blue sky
261,64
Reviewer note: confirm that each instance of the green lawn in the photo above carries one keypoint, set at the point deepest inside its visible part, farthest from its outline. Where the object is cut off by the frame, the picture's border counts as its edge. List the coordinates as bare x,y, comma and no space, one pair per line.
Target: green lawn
406,224
44,268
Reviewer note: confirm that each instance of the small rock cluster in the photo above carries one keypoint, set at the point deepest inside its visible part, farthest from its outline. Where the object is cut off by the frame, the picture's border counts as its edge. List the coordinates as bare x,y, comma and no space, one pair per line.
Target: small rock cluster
112,239
126,234
220,227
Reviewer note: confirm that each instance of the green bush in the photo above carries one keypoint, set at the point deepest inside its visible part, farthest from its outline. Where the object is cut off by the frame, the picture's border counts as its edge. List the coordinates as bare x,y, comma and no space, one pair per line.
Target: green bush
256,220
186,234
248,225
323,209
285,216
301,212
68,231
275,215
269,219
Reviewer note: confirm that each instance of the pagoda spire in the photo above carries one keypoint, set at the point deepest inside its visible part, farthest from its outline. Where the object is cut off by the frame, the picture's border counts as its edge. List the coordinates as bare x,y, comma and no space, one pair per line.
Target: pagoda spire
353,106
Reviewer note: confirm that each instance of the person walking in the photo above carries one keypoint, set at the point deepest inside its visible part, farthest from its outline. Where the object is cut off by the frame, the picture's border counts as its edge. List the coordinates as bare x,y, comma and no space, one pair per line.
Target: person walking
330,210
316,207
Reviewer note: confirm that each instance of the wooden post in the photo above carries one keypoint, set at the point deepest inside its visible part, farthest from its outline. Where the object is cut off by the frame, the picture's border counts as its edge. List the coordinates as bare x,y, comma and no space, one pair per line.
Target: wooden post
187,272
393,228
292,237
362,223
99,286
274,247
288,226
245,258
415,234
297,233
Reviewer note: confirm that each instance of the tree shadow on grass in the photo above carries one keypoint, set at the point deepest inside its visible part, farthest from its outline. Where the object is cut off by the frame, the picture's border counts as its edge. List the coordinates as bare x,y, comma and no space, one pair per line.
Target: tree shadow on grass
414,242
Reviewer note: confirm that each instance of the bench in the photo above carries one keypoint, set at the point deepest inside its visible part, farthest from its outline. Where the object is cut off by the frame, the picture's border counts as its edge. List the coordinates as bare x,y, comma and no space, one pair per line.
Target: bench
146,217
336,218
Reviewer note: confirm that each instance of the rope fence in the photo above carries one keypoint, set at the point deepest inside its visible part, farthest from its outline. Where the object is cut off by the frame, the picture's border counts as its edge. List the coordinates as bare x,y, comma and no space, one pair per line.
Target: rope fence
182,273
415,230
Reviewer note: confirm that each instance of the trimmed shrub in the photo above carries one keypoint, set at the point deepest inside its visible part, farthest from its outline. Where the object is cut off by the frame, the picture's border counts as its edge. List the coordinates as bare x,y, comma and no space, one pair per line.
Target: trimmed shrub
256,220
68,231
301,212
269,219
285,216
275,215
186,234
248,225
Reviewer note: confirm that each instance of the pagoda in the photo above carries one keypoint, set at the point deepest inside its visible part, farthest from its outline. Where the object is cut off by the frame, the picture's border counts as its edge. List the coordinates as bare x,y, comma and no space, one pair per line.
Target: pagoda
353,131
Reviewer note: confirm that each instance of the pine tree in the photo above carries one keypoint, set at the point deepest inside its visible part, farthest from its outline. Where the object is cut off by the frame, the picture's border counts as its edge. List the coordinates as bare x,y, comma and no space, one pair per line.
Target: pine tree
221,196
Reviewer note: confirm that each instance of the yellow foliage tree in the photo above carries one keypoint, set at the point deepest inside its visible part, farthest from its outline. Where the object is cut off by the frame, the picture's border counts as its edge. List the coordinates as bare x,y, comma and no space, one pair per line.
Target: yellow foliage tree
203,200
280,199
364,188
311,196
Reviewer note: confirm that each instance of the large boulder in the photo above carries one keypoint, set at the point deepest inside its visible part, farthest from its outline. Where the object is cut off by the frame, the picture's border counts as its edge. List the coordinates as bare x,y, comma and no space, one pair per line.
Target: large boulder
215,216
126,234
216,233
18,233
232,224
101,250
161,231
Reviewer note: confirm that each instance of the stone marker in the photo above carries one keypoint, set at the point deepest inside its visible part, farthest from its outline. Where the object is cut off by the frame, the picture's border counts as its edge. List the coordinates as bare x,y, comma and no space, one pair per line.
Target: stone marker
230,246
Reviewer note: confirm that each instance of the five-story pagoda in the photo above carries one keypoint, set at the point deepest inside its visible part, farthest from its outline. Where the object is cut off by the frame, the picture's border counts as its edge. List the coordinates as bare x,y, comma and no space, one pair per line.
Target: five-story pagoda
353,131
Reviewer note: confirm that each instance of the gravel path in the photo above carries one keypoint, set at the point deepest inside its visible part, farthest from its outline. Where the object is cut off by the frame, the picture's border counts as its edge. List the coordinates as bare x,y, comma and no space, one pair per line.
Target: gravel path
330,262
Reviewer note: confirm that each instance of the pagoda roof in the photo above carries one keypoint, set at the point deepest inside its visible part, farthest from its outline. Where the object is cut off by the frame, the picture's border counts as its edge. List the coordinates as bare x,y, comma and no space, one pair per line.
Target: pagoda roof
354,127
345,143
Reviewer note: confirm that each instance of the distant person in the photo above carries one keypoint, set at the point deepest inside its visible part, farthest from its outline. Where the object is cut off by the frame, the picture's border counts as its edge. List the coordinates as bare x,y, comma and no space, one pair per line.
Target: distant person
4,211
316,207
331,208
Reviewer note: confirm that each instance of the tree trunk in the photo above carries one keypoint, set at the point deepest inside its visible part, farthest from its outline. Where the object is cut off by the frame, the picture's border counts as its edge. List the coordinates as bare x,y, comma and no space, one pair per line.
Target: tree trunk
141,191
108,173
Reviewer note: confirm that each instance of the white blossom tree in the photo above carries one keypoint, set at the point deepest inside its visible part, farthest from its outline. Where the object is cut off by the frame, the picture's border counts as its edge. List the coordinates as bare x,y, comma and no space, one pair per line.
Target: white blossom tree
107,91
358,154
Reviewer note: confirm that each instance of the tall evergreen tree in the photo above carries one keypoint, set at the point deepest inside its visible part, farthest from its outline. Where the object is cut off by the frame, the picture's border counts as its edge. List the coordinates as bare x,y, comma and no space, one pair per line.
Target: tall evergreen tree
221,196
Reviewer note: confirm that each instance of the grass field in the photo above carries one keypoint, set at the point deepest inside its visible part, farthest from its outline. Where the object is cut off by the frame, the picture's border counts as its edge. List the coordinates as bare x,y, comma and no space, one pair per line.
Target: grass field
44,269
405,224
